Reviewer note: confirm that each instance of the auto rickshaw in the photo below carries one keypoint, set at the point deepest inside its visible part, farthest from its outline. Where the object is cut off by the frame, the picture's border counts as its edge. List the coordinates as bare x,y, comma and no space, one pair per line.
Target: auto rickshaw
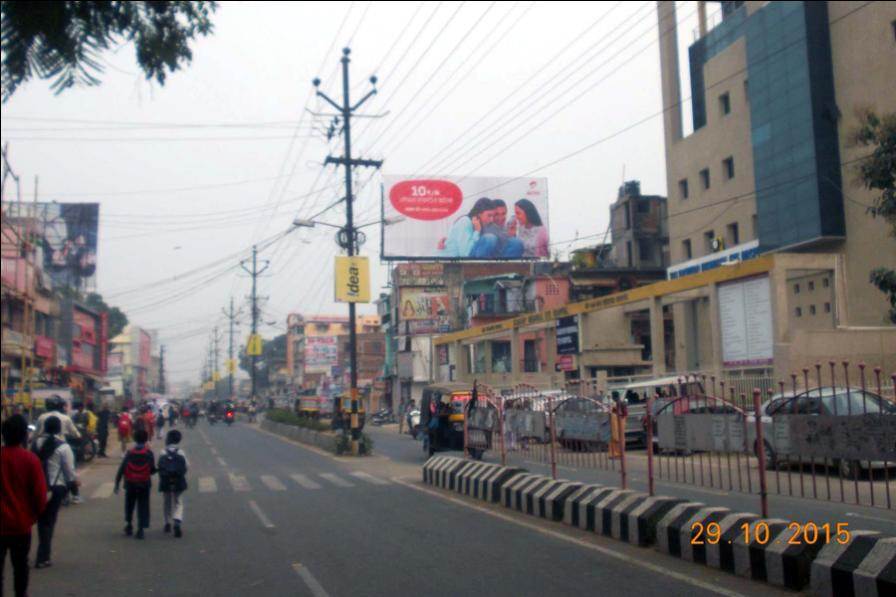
442,416
307,407
342,413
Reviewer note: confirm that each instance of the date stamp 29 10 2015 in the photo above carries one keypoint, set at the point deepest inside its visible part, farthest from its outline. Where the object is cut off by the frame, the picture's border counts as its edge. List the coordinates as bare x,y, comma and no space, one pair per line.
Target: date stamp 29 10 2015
798,533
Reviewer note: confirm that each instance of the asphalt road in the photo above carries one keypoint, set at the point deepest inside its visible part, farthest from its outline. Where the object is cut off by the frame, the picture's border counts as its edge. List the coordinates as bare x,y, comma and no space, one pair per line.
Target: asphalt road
265,516
403,448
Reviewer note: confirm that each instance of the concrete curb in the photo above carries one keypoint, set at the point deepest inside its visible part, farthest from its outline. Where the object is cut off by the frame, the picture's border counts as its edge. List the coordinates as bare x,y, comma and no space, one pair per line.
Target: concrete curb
865,566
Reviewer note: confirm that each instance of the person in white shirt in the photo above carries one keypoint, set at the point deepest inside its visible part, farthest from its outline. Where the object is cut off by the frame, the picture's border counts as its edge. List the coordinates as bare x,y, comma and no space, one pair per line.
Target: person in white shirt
58,462
56,408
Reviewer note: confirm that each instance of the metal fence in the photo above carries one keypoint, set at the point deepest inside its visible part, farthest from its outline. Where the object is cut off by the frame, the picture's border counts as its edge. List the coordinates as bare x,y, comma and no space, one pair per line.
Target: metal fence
827,434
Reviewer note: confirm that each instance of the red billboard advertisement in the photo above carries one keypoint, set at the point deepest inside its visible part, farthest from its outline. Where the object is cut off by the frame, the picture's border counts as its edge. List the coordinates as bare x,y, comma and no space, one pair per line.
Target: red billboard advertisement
465,218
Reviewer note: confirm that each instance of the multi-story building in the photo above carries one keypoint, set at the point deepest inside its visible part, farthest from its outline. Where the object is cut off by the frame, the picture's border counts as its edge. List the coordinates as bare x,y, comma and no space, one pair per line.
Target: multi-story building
131,354
770,169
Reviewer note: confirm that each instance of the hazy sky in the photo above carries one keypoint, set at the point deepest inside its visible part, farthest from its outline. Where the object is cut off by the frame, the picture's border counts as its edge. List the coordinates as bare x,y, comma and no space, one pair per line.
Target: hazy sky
225,154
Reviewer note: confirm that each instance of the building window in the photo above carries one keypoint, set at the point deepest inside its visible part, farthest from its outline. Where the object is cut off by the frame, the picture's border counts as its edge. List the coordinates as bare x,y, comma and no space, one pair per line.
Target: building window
645,250
704,178
827,307
725,104
799,312
733,234
825,283
796,289
686,248
708,237
643,206
747,90
628,250
894,28
755,221
728,167
811,309
683,188
811,286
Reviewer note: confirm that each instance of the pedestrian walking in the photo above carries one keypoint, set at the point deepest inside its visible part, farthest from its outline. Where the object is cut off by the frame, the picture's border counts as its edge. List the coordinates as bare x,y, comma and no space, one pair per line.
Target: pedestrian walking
102,429
58,462
125,428
23,496
172,469
172,415
137,468
149,422
160,421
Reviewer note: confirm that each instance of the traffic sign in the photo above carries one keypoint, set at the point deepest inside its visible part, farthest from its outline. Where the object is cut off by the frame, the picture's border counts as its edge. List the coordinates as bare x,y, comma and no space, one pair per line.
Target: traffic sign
253,349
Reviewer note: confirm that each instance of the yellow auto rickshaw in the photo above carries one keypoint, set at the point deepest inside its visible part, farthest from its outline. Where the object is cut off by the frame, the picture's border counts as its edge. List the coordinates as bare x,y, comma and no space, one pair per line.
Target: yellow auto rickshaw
442,410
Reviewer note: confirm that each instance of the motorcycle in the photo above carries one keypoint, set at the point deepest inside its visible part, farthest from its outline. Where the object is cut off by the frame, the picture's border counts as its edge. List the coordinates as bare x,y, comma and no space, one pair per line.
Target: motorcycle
383,417
85,448
229,417
212,418
413,421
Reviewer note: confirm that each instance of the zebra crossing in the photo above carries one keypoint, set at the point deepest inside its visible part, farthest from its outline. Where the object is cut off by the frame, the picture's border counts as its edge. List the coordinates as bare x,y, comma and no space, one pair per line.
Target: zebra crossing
238,483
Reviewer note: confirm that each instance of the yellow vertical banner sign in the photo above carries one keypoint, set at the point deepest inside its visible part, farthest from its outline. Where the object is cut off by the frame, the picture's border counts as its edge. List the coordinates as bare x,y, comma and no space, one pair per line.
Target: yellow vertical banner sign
352,279
216,376
253,349
231,365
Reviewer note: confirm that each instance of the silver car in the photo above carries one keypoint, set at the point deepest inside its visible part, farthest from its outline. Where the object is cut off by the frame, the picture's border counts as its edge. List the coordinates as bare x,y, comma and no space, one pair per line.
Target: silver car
839,401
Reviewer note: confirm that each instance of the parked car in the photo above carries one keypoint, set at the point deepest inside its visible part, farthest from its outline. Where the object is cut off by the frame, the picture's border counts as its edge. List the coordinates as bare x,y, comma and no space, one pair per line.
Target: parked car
839,401
636,394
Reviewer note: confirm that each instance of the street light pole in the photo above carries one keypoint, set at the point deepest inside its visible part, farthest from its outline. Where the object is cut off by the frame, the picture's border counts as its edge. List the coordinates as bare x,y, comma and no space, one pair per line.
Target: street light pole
346,110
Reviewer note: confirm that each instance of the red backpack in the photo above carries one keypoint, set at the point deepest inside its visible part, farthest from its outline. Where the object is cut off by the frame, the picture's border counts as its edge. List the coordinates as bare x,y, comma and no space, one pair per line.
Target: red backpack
139,466
124,426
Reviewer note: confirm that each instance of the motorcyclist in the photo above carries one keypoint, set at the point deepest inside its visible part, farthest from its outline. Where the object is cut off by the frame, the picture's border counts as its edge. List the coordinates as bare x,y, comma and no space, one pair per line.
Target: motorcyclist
253,408
193,412
56,408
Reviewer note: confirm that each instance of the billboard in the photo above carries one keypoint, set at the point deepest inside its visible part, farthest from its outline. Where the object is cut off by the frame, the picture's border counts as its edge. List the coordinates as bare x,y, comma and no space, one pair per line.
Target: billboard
352,280
745,313
66,239
472,218
321,353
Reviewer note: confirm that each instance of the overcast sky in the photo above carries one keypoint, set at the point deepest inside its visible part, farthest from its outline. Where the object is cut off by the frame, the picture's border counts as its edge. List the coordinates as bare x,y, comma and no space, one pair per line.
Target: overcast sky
475,88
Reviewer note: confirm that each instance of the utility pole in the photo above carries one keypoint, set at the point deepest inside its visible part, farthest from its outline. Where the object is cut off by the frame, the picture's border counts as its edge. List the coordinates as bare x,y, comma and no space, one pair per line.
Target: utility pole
162,369
215,367
231,318
348,235
255,272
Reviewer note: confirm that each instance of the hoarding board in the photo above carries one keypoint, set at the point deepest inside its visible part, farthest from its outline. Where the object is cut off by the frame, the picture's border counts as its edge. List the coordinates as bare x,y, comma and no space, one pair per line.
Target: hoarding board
568,335
419,274
465,218
745,312
66,238
321,353
352,280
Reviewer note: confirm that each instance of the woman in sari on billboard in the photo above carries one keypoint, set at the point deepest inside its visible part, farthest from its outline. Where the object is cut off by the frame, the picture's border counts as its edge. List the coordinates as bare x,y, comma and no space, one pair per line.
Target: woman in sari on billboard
528,227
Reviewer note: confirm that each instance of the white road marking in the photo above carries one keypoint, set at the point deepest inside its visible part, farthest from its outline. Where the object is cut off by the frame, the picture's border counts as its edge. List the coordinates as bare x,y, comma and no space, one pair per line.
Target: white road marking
222,462
857,515
273,483
207,485
238,482
265,521
214,450
104,491
336,480
316,589
304,481
654,568
369,478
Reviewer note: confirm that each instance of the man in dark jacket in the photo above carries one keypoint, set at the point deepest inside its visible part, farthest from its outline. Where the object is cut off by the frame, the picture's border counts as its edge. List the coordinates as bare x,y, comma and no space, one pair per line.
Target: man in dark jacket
102,429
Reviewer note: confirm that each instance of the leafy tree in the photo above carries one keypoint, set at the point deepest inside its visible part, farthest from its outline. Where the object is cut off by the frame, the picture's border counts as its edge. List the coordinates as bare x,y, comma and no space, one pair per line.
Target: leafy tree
878,173
273,353
63,40
117,319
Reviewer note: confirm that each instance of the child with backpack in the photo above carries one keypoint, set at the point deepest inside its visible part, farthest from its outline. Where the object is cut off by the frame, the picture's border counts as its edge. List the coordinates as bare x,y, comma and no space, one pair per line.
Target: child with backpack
125,426
137,468
172,469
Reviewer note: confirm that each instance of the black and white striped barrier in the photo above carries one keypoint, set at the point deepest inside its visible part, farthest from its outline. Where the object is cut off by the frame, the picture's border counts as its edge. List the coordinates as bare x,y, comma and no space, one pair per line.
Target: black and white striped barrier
864,567
552,505
645,516
769,558
668,529
720,554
